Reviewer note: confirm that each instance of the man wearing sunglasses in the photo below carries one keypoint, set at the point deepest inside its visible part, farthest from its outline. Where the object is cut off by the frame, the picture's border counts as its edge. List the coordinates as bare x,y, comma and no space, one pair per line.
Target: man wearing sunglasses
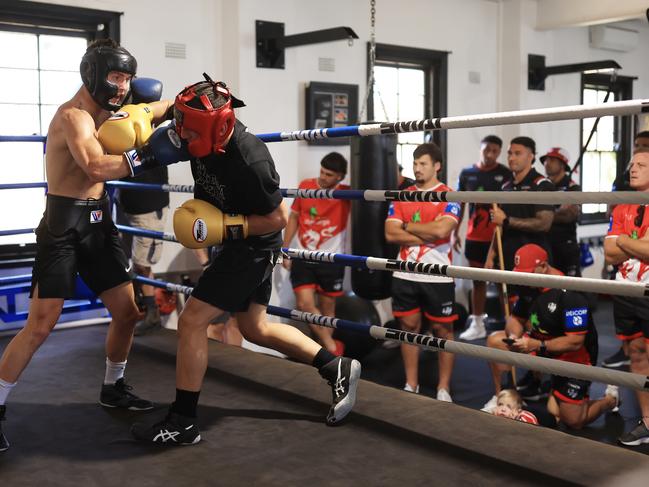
627,245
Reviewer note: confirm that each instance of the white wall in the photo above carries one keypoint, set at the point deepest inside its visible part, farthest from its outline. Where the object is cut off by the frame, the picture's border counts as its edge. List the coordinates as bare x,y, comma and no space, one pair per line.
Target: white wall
491,37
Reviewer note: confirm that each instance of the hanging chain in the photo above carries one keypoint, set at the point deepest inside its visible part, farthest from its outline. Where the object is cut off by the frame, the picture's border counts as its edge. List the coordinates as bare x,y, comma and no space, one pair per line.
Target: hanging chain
370,82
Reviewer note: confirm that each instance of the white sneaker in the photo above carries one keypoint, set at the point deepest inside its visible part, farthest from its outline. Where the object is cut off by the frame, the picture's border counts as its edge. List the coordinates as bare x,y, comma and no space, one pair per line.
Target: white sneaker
613,391
490,405
443,395
476,329
408,388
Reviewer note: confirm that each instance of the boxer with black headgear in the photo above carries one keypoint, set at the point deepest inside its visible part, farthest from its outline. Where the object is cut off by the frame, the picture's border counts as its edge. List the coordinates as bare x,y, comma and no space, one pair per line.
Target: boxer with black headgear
237,207
76,234
96,67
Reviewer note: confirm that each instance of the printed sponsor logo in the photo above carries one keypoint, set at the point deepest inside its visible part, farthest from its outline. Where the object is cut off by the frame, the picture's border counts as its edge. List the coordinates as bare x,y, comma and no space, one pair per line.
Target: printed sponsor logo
575,317
174,138
453,208
96,216
119,116
199,230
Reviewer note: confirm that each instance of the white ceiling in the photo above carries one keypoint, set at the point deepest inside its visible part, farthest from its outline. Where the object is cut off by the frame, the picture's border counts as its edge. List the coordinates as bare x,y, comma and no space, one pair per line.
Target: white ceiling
553,14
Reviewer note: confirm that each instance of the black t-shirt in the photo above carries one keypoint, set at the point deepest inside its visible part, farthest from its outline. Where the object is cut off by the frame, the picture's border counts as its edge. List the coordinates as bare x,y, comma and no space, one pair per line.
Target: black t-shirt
242,180
533,181
555,313
565,232
476,179
136,202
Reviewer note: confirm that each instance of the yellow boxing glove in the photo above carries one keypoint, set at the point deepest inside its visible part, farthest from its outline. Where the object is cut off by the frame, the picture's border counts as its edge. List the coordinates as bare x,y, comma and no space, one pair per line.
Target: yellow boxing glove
199,225
126,129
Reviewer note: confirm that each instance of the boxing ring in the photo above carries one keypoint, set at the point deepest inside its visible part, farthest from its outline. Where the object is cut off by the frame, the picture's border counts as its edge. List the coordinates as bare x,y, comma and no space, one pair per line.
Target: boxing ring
262,424
262,417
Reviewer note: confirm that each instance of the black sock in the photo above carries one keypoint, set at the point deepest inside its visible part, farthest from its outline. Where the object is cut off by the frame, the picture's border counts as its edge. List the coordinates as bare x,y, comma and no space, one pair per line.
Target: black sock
185,403
322,358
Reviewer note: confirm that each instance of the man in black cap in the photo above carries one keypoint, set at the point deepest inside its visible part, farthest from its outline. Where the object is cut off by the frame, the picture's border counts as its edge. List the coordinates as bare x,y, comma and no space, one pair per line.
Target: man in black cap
563,234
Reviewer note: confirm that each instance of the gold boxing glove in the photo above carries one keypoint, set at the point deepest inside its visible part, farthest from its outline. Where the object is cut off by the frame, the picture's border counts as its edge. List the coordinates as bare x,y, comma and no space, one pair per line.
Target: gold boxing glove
198,225
127,129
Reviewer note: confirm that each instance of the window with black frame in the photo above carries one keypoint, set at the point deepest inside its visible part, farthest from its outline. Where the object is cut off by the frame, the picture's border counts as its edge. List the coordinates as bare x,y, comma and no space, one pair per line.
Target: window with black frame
410,84
39,70
610,145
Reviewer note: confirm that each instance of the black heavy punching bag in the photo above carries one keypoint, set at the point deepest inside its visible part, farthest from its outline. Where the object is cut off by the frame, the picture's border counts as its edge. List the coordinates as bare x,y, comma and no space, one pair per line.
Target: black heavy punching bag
373,166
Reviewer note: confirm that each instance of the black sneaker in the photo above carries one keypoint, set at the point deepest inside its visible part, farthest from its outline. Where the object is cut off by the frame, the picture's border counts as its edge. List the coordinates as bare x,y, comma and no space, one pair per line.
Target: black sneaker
119,395
174,430
525,381
617,360
4,444
637,436
343,374
532,391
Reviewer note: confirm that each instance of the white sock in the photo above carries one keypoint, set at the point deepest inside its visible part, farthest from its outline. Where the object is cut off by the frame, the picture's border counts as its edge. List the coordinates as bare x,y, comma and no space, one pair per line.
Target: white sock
478,320
5,389
114,371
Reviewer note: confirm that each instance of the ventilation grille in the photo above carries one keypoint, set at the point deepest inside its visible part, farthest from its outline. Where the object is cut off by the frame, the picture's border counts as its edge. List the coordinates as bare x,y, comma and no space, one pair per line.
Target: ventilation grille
175,50
326,64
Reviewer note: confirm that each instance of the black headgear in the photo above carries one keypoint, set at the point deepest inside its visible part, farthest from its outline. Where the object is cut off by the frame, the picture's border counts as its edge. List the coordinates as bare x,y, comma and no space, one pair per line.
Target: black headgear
95,66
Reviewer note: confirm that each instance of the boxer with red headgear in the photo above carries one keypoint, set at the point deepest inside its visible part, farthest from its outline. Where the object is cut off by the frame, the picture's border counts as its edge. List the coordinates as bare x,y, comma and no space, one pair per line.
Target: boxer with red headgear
237,207
213,123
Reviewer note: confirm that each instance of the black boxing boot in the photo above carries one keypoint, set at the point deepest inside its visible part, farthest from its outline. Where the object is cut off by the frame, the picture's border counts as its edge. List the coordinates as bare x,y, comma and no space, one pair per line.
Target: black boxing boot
4,444
174,430
343,375
119,395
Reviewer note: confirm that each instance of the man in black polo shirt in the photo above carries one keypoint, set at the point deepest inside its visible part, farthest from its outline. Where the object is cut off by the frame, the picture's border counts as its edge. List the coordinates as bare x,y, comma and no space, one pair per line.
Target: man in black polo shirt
522,224
563,234
238,208
557,324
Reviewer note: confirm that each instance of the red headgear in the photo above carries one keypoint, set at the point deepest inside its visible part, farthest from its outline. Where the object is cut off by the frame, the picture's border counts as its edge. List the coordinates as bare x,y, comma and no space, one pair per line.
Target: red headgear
213,125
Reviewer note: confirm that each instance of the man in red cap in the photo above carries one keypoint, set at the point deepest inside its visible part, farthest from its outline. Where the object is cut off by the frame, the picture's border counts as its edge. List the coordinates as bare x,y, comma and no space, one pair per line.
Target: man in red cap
563,233
558,324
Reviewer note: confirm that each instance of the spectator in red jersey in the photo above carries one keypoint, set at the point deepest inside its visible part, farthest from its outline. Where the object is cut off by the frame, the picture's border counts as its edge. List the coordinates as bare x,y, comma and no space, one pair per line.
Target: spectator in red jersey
320,224
627,245
423,230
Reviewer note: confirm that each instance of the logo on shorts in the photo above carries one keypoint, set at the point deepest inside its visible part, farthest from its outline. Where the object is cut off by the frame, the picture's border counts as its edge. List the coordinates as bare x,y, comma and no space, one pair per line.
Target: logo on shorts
552,307
199,230
96,216
447,310
498,179
338,286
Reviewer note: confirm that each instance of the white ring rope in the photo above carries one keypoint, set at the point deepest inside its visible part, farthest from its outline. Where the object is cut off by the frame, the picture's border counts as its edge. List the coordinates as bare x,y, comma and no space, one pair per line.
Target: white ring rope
541,364
583,284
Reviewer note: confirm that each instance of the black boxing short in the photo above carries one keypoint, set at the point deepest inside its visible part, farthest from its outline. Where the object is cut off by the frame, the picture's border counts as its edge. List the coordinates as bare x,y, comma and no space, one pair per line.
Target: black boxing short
476,252
77,236
572,391
631,317
326,279
436,300
237,276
